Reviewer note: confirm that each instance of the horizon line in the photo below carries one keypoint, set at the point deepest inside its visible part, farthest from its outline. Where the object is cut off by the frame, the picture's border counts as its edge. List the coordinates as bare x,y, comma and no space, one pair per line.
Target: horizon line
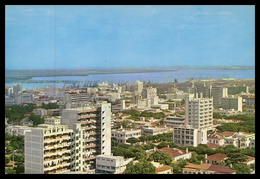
190,66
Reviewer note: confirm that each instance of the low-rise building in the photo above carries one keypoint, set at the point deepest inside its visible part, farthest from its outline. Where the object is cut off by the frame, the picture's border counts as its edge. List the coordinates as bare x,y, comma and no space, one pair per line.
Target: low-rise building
206,168
111,164
121,135
176,153
40,112
26,122
166,169
154,130
215,139
52,121
216,158
227,112
17,130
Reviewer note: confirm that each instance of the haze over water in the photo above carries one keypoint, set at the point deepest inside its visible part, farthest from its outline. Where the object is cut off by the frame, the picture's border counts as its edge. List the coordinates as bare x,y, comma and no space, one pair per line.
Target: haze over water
159,77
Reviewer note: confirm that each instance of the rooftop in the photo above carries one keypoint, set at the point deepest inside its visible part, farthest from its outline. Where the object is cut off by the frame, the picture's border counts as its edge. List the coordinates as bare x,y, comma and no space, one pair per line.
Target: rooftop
213,167
225,133
212,145
163,168
217,157
173,152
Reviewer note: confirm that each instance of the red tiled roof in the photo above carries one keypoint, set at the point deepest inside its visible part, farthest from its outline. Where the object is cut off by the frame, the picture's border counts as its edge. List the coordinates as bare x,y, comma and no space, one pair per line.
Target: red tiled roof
163,168
173,152
213,167
225,133
7,87
249,158
220,168
213,136
212,145
236,120
217,157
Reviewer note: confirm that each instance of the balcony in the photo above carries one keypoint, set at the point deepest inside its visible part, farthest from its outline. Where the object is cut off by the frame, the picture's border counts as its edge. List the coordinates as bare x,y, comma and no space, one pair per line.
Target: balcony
89,146
87,116
91,139
90,158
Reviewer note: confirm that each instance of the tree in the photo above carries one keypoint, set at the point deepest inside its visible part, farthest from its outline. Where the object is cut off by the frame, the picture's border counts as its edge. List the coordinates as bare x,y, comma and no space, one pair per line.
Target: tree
241,168
142,167
10,171
236,157
114,143
132,140
141,138
19,169
9,149
7,137
7,160
161,157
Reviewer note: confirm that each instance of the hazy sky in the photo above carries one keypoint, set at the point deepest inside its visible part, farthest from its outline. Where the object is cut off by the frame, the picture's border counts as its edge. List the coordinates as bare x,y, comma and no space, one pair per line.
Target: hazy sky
122,36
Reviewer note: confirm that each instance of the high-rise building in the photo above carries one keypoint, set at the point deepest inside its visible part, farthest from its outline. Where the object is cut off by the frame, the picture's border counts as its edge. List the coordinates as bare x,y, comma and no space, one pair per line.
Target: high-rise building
93,129
47,149
217,93
17,88
198,112
198,120
237,89
8,90
232,102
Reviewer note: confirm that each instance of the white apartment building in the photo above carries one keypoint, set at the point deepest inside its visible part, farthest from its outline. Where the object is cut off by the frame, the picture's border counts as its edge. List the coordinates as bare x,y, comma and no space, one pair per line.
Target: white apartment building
17,88
40,112
154,130
52,121
217,93
121,135
172,121
188,136
232,102
107,164
93,128
47,149
9,101
199,112
227,112
17,130
198,120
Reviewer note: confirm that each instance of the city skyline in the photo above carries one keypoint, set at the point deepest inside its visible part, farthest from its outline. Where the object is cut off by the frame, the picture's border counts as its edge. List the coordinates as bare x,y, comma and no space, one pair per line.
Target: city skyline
128,36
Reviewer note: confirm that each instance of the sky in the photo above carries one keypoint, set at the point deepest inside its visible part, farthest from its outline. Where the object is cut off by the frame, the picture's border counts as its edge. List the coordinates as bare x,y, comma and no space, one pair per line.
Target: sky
128,36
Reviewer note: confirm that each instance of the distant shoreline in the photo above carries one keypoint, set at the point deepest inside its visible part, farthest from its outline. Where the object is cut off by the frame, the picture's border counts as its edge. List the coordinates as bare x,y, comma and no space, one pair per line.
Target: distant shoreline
25,76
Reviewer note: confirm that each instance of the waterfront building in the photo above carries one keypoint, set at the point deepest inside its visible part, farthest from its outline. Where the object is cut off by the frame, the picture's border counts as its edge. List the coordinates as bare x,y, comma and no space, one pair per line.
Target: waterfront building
217,93
17,88
8,90
232,90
